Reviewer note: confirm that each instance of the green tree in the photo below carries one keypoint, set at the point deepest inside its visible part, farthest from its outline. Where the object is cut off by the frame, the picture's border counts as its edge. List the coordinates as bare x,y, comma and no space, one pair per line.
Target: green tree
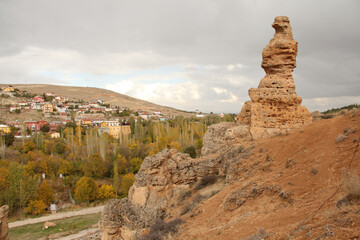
9,139
21,187
45,128
86,190
191,151
60,146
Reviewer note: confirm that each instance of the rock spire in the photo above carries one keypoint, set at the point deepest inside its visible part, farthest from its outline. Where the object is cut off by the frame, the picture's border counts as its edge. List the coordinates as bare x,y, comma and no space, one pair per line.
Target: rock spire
275,107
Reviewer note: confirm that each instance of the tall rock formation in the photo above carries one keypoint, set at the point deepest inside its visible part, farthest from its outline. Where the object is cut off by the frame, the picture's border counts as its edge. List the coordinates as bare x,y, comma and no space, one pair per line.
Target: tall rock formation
275,107
4,228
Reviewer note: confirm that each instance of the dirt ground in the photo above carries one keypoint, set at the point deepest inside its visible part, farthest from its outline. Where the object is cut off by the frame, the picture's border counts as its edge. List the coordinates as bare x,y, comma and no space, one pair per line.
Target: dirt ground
295,186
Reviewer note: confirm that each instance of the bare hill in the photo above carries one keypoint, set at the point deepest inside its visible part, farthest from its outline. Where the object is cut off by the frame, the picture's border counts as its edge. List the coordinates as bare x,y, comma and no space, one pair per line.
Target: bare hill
87,93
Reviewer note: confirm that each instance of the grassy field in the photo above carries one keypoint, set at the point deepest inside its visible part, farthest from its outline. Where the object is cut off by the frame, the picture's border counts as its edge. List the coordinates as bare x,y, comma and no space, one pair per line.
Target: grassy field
67,226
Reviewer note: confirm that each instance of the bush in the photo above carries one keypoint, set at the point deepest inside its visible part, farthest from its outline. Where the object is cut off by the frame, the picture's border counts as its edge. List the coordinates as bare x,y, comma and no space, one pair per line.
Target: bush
314,171
36,207
351,184
206,181
191,151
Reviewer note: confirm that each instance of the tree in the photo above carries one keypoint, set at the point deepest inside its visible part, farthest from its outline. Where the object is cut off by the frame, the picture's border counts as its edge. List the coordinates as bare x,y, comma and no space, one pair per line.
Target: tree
116,178
45,128
59,146
29,146
135,164
95,166
45,193
126,182
36,207
21,187
9,139
86,190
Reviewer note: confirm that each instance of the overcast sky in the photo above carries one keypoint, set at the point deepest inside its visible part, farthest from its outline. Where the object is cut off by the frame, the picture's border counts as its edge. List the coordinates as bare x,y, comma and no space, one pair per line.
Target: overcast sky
202,54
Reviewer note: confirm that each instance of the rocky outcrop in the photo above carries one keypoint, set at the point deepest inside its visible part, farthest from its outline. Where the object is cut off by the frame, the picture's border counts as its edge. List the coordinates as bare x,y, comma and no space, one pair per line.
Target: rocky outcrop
158,185
275,107
4,228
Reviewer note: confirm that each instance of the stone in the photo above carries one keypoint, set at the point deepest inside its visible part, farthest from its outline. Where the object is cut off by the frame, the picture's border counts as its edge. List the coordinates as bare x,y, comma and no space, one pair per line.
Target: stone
4,227
48,225
275,108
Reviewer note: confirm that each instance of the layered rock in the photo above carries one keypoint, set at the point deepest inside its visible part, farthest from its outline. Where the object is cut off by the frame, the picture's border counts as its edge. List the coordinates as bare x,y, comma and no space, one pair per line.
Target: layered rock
275,107
4,228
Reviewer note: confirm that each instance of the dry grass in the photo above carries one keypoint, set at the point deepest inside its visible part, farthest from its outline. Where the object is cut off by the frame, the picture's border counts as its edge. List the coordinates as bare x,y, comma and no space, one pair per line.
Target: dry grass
351,184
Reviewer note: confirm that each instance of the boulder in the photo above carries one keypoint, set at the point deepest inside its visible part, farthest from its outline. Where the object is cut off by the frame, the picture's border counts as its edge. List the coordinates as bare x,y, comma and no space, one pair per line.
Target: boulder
48,225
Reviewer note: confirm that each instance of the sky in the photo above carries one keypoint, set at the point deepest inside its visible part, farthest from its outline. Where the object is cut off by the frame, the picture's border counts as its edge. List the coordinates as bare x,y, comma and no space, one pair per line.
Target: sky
185,54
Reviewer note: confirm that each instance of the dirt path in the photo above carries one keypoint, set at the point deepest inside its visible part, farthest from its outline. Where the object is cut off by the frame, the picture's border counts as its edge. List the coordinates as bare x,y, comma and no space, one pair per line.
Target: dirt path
83,234
56,216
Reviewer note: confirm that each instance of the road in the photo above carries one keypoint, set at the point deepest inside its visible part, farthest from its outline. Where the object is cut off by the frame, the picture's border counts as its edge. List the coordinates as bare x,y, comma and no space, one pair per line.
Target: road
57,216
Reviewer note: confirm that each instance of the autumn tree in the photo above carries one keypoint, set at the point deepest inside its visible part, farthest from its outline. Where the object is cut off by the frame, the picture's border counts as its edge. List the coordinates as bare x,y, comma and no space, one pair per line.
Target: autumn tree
86,190
45,193
94,166
106,192
126,182
29,146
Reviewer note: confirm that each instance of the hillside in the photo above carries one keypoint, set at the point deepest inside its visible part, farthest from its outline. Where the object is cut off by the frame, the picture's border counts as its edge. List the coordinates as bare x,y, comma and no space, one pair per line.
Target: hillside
109,97
291,187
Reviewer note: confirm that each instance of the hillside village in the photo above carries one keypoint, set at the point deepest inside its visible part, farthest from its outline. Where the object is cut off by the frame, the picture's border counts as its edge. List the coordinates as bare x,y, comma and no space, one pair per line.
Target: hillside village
58,110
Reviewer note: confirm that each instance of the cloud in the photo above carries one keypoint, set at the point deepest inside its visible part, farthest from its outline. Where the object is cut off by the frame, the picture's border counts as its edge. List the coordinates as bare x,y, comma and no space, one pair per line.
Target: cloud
176,53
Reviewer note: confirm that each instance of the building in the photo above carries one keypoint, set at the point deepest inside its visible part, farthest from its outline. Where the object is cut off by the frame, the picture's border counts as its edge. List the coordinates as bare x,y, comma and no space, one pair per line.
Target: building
115,129
4,128
8,89
48,108
54,134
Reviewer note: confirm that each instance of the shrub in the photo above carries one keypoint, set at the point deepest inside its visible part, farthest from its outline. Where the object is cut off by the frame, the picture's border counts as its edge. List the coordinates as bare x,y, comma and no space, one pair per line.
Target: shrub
314,171
36,207
106,192
191,151
351,184
206,181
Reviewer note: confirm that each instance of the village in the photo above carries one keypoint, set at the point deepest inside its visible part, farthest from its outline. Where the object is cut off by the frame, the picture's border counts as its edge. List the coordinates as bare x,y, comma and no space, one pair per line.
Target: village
57,110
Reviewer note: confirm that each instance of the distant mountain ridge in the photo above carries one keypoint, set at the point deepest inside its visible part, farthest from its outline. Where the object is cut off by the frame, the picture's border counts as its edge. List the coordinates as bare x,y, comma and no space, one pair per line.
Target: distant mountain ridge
107,96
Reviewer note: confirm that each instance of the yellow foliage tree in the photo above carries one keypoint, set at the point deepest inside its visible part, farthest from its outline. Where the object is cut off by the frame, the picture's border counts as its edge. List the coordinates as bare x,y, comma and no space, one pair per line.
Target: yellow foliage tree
86,189
106,192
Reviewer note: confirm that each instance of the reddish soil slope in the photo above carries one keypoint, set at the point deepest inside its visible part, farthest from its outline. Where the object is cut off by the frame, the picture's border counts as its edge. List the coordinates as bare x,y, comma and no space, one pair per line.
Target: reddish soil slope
291,187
